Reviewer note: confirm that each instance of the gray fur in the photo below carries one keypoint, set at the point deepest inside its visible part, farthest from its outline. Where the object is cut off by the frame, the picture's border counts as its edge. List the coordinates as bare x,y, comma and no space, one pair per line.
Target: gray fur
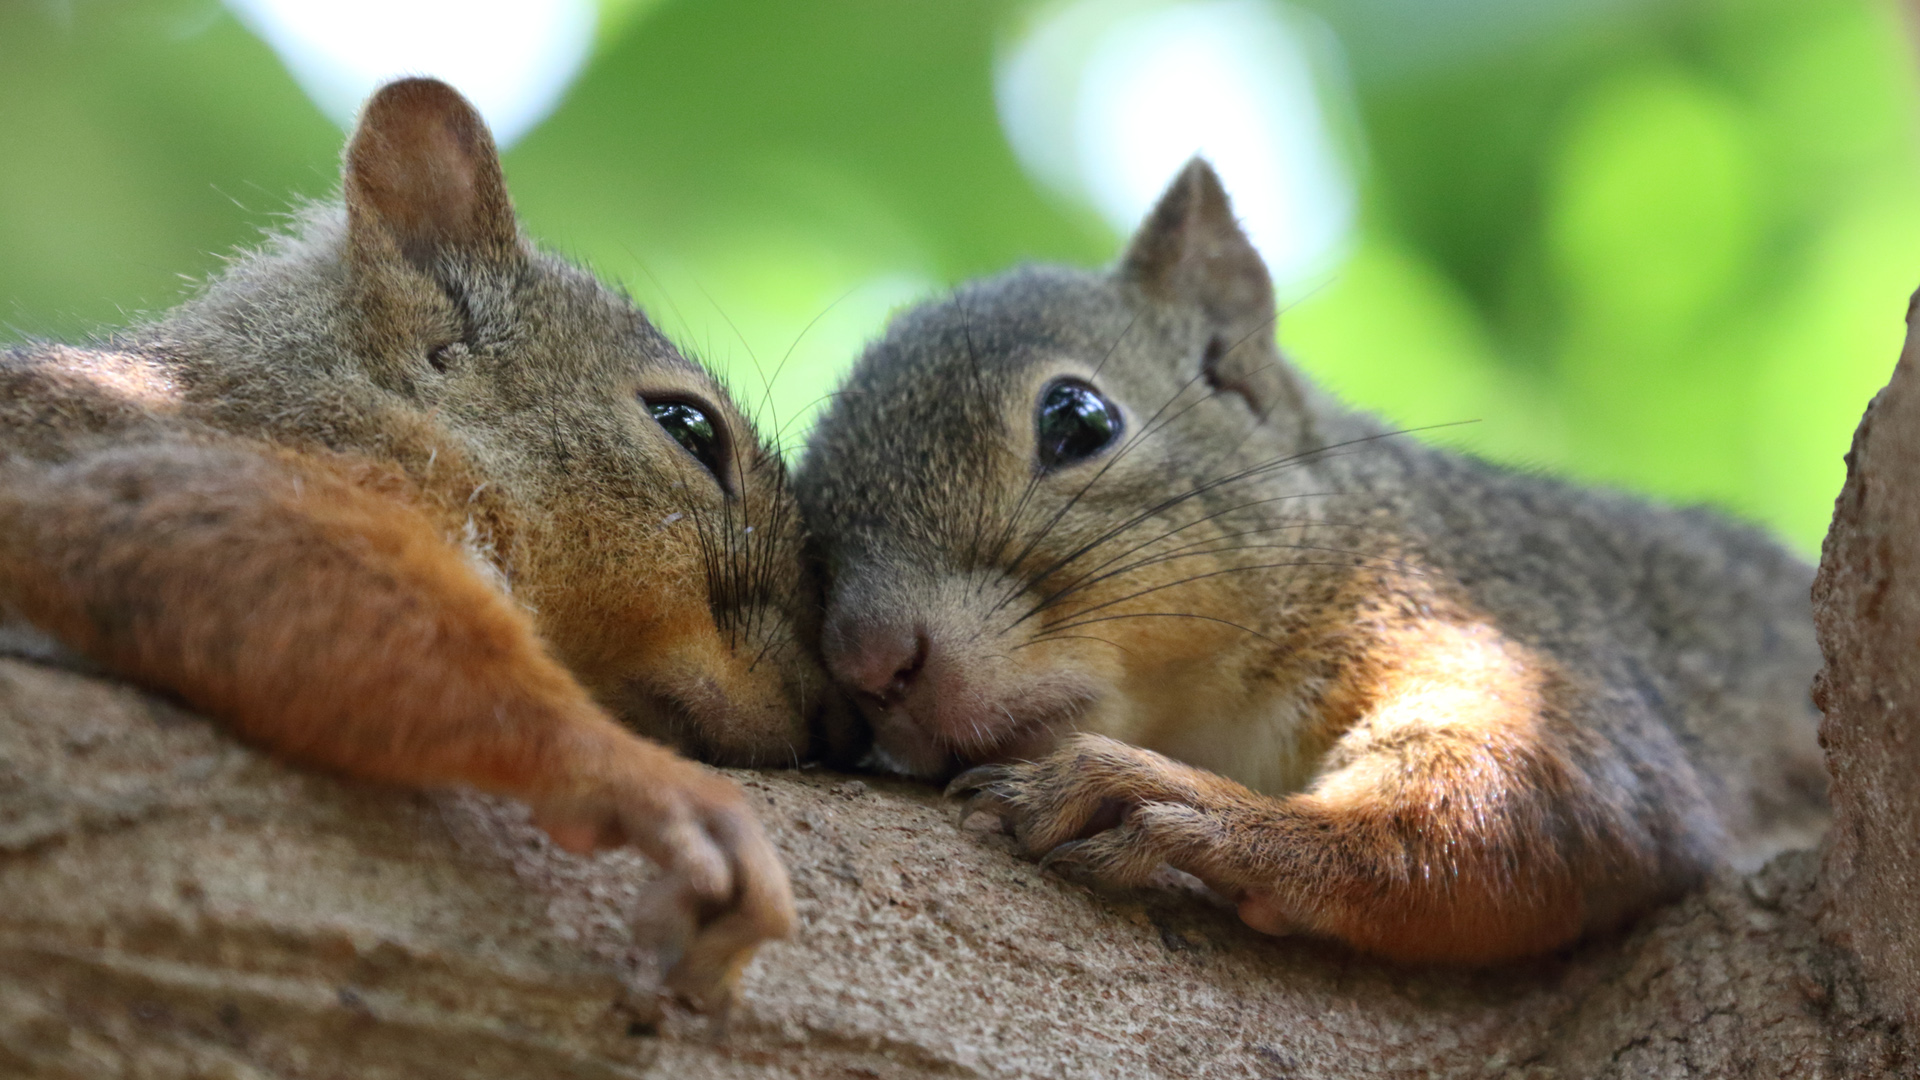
495,375
1692,632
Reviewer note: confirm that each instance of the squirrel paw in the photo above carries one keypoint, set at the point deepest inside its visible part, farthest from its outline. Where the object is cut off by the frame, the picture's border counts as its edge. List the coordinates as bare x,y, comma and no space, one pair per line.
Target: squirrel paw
728,890
1116,811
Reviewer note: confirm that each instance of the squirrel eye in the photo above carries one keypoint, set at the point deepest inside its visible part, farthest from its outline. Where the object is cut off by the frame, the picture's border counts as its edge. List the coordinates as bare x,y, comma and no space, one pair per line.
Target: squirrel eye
694,429
1074,423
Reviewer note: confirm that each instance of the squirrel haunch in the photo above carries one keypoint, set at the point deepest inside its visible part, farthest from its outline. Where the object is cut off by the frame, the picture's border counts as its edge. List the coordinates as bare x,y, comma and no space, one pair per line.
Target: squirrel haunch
394,497
1093,535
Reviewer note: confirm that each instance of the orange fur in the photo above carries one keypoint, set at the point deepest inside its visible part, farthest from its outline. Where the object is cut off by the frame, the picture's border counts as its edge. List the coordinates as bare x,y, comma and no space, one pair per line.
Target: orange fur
1448,822
391,498
327,620
328,623
1430,835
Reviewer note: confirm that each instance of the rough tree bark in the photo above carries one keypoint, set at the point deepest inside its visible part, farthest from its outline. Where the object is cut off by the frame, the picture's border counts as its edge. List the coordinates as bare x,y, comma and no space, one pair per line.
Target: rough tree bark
173,905
1867,608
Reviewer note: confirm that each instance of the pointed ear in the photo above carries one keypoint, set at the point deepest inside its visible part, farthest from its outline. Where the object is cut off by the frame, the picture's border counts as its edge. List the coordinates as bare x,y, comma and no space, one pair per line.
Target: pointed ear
422,180
1190,251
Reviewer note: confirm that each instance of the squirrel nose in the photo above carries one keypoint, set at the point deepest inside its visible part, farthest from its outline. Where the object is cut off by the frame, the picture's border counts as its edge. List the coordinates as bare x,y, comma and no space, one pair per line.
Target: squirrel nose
884,661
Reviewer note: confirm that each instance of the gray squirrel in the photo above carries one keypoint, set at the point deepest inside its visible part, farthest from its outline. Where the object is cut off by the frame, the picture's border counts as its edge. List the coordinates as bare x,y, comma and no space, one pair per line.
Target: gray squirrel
1089,537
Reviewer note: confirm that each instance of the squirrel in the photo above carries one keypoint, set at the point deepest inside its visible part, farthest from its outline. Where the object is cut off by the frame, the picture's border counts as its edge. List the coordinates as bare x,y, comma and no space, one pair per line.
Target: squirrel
402,497
1091,535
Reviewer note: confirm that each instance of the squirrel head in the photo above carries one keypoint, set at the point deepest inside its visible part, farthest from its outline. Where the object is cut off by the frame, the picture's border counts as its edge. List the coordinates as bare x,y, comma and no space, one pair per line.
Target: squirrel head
609,483
1028,496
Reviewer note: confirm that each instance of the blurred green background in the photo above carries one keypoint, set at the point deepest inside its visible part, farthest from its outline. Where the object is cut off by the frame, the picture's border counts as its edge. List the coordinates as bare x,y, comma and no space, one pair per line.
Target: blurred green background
1662,245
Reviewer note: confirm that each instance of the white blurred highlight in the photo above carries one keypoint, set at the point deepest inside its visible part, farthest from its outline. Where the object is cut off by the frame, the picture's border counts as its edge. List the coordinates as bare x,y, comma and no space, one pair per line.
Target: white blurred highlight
1105,101
514,61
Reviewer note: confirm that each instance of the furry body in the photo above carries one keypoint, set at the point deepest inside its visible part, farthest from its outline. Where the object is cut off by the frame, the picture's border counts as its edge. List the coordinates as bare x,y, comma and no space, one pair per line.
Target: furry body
388,500
1365,688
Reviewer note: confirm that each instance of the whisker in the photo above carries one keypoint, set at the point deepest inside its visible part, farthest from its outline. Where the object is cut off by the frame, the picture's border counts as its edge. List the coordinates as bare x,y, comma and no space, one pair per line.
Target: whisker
1122,336
1271,465
1151,615
1143,545
780,433
985,497
672,305
1361,556
1198,577
767,400
728,319
1147,430
1076,637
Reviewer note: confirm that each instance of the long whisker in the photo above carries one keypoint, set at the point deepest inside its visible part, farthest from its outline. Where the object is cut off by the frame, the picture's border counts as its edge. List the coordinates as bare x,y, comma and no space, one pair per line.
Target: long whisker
1038,638
767,400
1118,338
1075,637
982,496
1143,545
1032,487
780,433
1200,577
1175,556
1154,425
1250,472
1147,430
672,305
728,319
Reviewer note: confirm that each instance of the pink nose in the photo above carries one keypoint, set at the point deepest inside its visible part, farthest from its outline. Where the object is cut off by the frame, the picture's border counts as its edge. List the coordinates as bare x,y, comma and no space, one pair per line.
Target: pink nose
883,661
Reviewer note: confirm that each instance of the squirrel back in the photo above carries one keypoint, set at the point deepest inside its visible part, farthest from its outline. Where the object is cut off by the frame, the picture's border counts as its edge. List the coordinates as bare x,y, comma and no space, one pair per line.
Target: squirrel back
1060,501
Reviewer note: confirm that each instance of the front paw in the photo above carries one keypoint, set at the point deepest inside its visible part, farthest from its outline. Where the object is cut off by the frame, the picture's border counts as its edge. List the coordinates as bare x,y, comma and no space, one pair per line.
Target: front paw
1115,810
729,891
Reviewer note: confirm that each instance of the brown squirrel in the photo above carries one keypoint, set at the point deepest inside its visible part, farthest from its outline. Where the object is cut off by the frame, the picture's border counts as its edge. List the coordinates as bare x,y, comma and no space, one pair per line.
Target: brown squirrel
1092,530
402,497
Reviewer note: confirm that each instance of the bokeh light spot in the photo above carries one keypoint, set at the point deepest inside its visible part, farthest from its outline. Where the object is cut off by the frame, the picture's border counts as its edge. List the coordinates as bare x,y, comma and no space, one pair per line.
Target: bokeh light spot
513,60
1104,102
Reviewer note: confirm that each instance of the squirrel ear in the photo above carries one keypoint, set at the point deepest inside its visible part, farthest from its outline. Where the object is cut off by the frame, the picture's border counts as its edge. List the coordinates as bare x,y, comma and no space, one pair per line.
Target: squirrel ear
1190,250
423,180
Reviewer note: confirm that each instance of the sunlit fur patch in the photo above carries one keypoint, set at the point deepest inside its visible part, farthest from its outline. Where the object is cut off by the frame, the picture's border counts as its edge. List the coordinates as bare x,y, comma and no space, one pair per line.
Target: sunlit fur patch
1460,683
124,376
484,556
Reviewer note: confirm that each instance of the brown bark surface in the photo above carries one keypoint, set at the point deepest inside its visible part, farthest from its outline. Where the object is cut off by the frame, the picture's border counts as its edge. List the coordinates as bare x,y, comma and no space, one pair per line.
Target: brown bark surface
1867,606
174,904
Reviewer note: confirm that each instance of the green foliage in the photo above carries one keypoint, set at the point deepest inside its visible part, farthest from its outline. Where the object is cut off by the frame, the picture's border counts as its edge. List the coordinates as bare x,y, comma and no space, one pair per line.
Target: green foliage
1669,250
1660,245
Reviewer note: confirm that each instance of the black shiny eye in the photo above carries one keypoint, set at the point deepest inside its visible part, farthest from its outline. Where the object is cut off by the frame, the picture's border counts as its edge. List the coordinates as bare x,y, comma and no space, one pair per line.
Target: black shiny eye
693,428
1074,423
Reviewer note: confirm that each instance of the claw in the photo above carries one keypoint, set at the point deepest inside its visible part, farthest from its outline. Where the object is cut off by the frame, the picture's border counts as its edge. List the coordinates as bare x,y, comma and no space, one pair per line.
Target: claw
974,779
706,986
1062,853
993,799
967,810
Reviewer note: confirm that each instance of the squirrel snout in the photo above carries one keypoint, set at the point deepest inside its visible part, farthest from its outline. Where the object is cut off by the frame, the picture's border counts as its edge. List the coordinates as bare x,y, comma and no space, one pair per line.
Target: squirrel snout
883,661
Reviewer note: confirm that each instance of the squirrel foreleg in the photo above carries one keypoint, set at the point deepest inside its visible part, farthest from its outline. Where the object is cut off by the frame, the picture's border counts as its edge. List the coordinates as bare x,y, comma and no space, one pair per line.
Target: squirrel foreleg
336,627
